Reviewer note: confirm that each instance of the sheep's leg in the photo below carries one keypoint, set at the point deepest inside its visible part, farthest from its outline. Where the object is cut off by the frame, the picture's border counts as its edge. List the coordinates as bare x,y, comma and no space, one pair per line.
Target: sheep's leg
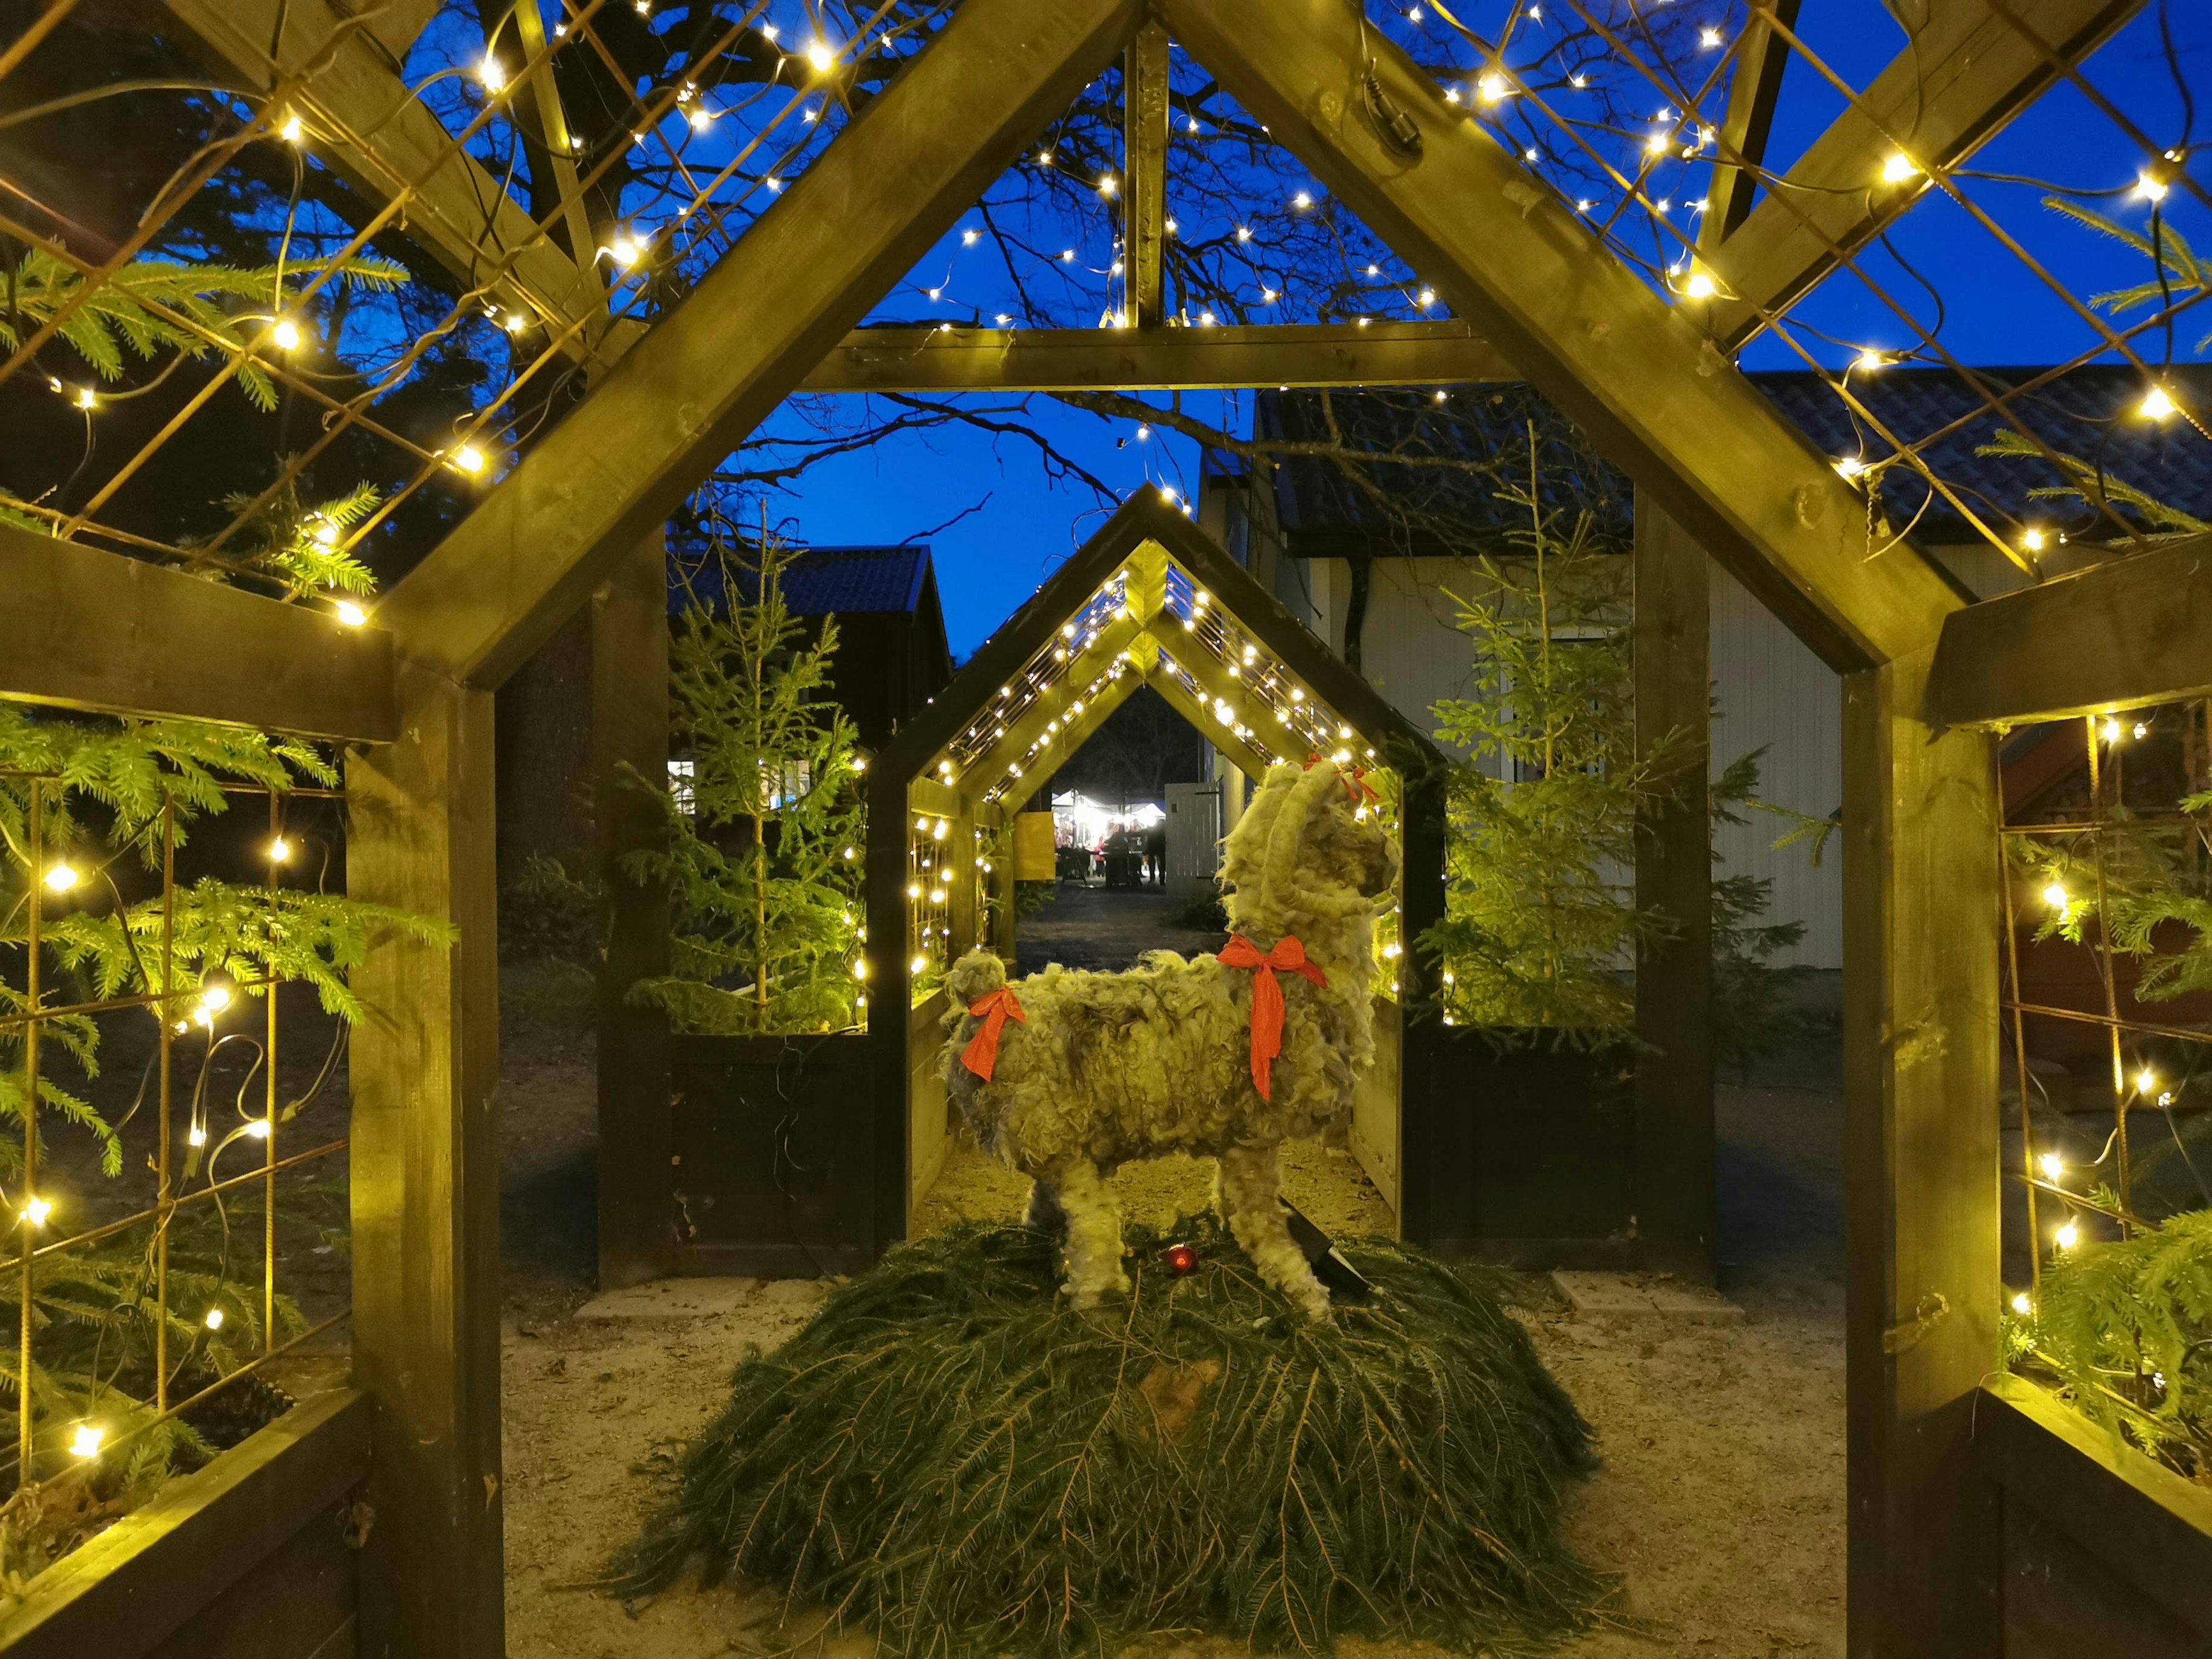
1248,1196
1044,1214
1092,1247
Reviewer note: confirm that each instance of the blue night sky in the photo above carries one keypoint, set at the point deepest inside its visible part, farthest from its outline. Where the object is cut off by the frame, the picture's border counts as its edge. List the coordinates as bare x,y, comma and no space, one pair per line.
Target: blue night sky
1018,524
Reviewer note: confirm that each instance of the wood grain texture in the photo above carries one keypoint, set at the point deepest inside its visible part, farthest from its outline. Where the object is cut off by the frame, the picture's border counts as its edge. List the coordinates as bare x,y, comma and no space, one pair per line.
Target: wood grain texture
2133,632
1920,1061
425,1179
149,1577
2145,1524
89,629
1676,1215
1194,358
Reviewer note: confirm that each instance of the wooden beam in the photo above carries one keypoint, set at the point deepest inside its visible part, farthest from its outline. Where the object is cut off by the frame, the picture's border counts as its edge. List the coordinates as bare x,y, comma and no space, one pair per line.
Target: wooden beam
376,134
1676,1202
85,628
629,735
1654,396
1231,747
1095,712
1920,1079
2140,1520
2125,635
990,765
124,1592
425,1186
1968,71
1144,181
953,359
914,159
1762,55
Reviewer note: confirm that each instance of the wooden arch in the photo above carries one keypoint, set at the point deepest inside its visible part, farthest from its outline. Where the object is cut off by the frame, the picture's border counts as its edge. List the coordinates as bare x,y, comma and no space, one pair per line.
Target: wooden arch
1149,600
1653,383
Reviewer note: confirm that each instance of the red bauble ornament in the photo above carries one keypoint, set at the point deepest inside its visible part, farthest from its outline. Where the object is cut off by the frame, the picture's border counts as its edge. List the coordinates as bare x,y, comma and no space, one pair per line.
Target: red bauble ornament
1182,1258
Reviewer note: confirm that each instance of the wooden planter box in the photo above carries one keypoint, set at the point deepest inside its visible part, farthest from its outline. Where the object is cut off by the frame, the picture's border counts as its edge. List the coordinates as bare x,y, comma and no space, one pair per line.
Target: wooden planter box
2104,1551
773,1162
1526,1157
253,1555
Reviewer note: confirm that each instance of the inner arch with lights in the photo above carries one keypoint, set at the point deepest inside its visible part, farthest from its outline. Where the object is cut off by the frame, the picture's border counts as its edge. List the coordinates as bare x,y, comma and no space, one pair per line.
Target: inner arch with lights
1149,600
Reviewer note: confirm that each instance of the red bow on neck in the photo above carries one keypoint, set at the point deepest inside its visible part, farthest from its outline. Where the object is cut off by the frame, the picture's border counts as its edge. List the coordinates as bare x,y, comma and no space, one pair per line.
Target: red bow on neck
980,1056
1267,997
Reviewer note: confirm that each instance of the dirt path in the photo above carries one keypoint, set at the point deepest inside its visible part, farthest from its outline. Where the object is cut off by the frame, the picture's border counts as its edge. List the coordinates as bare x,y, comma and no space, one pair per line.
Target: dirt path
1722,1500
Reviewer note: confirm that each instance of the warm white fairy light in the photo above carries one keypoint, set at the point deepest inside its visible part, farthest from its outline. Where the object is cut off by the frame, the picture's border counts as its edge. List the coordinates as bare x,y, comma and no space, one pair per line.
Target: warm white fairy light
1492,87
1899,168
820,55
492,73
469,458
36,1212
213,1320
280,850
87,1440
351,614
2056,896
293,130
2067,1237
2157,405
2150,188
61,877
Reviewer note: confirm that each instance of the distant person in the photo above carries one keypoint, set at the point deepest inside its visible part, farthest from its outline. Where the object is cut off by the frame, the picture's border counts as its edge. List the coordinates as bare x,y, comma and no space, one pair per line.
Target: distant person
1156,854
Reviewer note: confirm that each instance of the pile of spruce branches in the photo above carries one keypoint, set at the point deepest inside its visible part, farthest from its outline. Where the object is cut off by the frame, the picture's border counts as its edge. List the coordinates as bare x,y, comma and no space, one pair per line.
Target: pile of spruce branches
954,1457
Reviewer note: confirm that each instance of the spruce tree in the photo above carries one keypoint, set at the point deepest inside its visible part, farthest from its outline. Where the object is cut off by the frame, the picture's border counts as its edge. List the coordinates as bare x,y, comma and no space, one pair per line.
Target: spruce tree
765,821
1541,918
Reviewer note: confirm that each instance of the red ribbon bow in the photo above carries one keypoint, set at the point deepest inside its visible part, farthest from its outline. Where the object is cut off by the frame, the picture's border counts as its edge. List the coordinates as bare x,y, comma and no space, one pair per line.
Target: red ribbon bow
1267,997
1355,781
980,1056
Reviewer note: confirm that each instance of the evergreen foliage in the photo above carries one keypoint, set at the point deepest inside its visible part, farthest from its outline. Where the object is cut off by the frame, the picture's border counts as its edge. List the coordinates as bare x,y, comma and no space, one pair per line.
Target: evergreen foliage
2125,1326
151,306
102,786
763,866
1540,917
954,1457
1752,1011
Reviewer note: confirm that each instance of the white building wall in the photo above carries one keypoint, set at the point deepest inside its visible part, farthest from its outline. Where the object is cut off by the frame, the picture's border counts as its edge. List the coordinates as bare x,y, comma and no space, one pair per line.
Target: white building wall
1772,691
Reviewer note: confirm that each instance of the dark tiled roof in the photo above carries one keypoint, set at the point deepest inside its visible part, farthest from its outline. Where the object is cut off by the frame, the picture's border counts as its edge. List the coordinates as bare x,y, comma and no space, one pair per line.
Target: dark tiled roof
2085,414
820,581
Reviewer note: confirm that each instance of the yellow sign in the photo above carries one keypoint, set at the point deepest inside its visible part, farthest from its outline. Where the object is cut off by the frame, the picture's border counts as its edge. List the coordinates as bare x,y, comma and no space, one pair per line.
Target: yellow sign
1033,850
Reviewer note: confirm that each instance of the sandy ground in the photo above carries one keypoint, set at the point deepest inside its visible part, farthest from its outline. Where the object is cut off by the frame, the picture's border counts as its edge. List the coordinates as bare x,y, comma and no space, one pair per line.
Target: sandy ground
1721,1501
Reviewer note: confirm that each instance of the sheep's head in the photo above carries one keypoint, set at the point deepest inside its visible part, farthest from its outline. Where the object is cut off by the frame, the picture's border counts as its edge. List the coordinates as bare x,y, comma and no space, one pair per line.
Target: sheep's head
1310,844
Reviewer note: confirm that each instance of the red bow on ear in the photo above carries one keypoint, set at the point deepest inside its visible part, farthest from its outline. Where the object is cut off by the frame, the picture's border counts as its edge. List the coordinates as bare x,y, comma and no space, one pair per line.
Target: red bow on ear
1267,997
980,1056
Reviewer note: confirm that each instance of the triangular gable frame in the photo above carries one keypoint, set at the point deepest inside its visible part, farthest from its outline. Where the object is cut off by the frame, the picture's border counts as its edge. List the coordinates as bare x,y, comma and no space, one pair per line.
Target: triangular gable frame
903,1037
1659,397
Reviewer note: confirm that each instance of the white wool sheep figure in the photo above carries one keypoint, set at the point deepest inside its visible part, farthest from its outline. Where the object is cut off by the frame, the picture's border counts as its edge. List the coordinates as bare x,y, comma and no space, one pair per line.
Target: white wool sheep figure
1086,1071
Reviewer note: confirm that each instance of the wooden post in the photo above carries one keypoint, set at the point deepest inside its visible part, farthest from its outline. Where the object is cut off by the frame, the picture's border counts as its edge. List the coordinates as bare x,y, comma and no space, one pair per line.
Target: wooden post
629,727
1920,1066
425,1179
1144,184
1674,1186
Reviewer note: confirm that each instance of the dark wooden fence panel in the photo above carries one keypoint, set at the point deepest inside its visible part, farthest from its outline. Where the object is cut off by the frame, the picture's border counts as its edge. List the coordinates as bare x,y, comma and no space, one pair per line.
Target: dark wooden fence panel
251,1558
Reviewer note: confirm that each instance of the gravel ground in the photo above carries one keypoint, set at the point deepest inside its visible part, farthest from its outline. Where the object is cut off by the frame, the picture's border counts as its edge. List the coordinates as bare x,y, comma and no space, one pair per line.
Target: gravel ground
1721,1501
